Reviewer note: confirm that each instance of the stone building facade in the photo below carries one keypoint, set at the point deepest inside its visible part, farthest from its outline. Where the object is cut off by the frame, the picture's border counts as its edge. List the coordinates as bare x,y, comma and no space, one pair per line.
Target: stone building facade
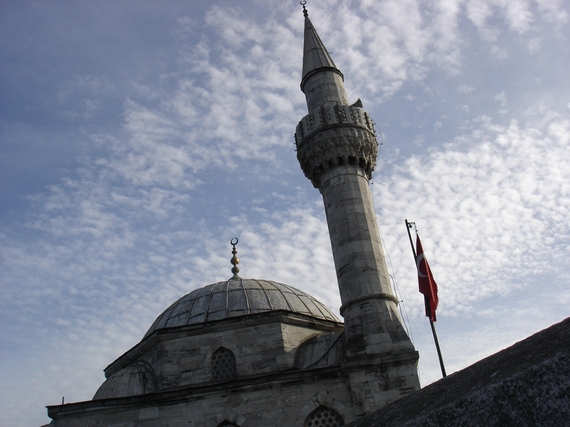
257,353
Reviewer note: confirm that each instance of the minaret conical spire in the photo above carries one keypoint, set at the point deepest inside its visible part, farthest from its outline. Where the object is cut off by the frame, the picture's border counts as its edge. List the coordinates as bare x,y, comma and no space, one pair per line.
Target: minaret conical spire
322,81
315,54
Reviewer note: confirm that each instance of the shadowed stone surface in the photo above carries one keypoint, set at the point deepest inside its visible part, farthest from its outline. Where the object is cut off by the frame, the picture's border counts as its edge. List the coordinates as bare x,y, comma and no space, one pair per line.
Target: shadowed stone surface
320,351
527,384
136,379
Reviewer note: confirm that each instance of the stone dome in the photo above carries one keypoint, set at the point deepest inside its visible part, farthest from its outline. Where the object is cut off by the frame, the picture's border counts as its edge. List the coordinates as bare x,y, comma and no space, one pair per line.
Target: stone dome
238,297
132,380
320,351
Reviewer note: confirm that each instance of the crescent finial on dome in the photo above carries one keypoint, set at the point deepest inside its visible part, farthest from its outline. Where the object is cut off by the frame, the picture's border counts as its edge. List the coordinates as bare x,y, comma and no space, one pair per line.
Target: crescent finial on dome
235,259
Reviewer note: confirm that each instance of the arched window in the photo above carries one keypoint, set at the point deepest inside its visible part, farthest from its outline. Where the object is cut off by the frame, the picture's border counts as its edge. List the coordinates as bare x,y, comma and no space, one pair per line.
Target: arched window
324,417
227,423
223,365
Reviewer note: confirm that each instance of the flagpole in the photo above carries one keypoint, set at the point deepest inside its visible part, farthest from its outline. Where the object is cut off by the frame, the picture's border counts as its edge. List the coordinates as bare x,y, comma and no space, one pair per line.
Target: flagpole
408,226
426,300
437,347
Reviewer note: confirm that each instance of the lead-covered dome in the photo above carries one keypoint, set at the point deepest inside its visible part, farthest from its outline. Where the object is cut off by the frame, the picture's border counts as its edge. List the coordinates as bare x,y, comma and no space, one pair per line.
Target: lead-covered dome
238,297
130,381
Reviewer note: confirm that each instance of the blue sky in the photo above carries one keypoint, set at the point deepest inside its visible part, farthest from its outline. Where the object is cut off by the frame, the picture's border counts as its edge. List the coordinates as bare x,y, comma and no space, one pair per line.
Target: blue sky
138,138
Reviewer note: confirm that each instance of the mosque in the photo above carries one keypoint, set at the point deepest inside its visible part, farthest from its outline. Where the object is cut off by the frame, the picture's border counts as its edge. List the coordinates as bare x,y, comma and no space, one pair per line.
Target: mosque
257,353
254,353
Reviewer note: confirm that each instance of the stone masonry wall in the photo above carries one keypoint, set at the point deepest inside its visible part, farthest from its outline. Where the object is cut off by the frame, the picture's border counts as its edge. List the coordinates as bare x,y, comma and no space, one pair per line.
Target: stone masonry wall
272,404
258,350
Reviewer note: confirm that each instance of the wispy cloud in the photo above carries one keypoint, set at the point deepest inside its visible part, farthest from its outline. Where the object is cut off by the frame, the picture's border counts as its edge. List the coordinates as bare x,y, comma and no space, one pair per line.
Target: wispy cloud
490,207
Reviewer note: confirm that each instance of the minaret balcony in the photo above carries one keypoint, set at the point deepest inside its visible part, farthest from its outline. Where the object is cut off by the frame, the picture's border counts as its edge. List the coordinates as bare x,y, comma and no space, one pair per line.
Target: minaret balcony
332,115
336,135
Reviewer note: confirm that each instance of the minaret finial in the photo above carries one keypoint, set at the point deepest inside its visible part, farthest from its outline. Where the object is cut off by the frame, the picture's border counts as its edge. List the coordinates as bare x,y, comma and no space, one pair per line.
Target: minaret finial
235,260
305,11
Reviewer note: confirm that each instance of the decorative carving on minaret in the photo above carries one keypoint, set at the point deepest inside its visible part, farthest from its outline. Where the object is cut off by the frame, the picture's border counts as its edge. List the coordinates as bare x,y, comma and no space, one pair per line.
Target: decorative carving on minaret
336,135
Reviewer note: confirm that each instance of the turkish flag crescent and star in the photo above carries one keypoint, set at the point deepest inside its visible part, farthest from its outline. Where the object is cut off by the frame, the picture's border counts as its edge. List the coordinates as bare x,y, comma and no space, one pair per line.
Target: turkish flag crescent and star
428,287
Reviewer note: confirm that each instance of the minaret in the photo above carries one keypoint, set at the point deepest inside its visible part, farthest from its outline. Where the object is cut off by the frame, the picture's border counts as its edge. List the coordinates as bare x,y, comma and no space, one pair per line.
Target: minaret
337,150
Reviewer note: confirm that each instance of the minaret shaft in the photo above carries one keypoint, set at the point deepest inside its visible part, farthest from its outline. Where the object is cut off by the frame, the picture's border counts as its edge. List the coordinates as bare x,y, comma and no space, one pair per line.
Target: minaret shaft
324,88
359,258
369,308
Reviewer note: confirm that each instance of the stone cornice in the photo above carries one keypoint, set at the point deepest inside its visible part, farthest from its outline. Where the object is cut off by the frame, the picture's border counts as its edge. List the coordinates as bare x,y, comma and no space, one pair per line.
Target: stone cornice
166,397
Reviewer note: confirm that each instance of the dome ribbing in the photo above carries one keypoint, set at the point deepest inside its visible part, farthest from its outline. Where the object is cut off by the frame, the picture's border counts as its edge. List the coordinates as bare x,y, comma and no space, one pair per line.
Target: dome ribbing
238,297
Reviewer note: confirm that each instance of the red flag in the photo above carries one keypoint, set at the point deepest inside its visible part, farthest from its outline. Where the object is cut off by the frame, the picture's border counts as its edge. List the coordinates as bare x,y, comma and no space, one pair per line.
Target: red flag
428,287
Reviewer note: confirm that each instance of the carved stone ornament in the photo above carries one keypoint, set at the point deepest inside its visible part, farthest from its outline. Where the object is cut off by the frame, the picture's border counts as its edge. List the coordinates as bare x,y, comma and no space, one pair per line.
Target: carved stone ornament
337,146
336,135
